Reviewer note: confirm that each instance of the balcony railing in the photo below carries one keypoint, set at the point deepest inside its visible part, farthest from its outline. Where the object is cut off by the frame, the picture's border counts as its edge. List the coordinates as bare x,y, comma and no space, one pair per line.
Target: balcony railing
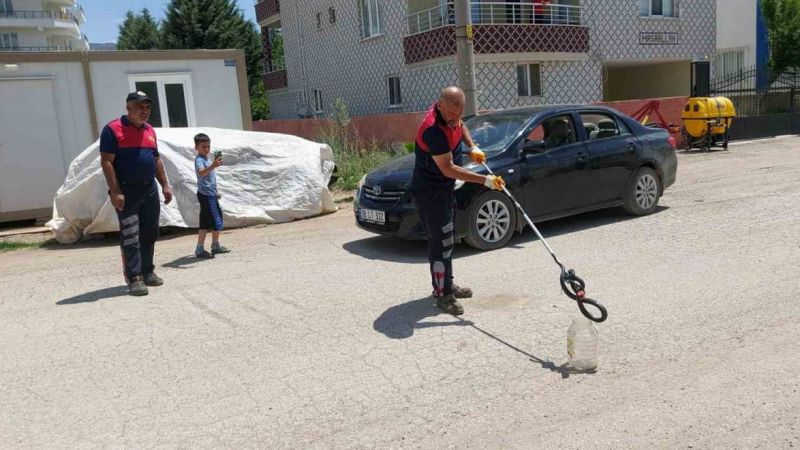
276,65
37,49
55,15
275,80
498,13
267,8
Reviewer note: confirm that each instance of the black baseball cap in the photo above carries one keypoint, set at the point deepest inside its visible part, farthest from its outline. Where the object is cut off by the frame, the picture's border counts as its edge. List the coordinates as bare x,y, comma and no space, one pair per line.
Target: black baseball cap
138,97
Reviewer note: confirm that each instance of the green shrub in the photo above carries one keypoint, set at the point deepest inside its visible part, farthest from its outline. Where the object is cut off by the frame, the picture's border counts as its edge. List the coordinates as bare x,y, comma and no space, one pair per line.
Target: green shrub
8,246
355,156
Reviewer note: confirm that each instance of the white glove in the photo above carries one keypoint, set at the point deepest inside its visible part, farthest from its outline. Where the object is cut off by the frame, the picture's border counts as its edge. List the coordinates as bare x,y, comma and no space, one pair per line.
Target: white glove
494,182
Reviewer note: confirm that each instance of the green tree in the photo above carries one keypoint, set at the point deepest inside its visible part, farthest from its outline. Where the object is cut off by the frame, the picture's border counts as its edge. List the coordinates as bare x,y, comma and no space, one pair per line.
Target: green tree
259,104
277,50
214,24
782,18
138,32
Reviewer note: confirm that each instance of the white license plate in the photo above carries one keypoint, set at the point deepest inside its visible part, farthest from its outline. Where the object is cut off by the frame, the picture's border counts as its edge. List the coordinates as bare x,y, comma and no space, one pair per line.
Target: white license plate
372,216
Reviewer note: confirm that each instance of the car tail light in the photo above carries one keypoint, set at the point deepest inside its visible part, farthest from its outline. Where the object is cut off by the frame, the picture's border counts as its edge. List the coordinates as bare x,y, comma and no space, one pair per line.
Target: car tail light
671,141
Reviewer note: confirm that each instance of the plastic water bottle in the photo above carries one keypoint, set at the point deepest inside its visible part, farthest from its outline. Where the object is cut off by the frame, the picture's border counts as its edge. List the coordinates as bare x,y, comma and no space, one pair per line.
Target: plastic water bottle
582,344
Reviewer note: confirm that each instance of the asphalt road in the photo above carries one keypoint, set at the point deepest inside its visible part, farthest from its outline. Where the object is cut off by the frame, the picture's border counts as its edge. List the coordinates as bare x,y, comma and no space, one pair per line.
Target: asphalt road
316,334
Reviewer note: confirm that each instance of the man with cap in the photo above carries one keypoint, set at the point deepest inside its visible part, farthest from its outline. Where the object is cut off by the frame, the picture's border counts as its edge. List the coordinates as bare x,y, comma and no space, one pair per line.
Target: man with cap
437,167
131,164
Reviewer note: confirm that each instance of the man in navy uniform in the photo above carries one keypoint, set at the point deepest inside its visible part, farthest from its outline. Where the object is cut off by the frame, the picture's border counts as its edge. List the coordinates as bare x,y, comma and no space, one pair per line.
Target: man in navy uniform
131,164
437,167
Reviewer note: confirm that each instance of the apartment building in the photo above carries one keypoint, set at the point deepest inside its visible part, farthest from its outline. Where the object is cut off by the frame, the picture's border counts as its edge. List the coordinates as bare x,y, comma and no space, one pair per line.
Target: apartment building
741,38
41,26
384,56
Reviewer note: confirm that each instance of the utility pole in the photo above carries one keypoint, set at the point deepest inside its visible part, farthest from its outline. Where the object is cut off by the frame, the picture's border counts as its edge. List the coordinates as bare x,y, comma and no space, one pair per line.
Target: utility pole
465,56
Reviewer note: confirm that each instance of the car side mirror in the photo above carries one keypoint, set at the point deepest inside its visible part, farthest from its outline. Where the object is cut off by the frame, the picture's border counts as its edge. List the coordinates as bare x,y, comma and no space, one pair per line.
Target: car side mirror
533,147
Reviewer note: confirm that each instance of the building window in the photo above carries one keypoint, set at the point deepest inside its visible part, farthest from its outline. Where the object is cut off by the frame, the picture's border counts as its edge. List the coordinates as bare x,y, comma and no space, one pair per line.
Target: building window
277,60
332,15
371,17
9,40
657,8
317,100
529,80
6,6
395,99
173,104
729,63
302,104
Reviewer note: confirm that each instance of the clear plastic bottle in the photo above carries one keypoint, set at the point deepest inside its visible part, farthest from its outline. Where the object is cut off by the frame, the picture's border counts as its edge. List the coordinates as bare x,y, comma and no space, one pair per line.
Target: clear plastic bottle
582,344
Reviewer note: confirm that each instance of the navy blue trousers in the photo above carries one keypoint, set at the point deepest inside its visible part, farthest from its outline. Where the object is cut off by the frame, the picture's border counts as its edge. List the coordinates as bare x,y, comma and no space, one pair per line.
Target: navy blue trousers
436,210
138,228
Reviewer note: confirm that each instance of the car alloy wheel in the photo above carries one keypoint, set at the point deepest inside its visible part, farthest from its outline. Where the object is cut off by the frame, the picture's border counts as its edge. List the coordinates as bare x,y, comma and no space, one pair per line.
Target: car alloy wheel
494,221
646,191
643,193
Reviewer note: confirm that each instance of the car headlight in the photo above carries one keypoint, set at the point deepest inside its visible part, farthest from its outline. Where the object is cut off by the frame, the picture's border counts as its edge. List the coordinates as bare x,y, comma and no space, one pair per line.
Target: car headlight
361,183
459,184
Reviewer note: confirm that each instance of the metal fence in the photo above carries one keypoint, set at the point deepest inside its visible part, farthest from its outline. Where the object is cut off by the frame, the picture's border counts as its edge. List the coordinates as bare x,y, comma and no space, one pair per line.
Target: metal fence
759,91
57,15
497,13
37,49
767,104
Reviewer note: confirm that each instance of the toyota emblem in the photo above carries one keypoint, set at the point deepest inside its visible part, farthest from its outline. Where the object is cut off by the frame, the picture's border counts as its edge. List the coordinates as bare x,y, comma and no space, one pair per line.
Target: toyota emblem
377,190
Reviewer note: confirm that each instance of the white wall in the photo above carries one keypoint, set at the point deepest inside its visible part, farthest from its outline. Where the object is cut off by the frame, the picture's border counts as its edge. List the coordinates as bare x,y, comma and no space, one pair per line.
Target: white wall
671,79
215,89
72,107
736,28
31,158
28,37
26,5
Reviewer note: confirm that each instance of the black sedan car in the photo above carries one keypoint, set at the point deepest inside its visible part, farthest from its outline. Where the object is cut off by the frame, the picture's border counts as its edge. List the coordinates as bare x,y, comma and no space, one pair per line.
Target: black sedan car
556,160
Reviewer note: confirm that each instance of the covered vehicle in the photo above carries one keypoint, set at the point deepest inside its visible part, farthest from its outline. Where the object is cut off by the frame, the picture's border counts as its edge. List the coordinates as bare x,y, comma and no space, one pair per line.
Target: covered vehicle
265,178
556,160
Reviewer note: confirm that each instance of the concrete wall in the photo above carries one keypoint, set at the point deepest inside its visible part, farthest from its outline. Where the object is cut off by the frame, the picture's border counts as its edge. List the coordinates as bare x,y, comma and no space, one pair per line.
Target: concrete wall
646,81
28,37
215,89
336,60
403,127
26,5
415,6
615,31
736,27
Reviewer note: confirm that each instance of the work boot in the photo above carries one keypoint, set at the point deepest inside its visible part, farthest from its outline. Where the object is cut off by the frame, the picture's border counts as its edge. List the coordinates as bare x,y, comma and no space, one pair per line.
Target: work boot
450,305
151,279
216,249
137,287
461,292
202,254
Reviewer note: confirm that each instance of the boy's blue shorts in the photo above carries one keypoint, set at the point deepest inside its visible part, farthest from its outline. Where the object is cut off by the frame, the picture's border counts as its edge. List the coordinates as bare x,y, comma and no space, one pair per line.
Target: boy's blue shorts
210,212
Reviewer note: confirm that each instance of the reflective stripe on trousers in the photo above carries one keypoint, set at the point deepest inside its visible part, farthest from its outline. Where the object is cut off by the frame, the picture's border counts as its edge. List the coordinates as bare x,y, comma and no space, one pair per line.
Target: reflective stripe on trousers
436,210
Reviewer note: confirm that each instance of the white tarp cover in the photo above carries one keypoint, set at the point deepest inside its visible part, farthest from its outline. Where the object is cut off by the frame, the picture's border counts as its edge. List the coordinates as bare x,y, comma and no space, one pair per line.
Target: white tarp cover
265,178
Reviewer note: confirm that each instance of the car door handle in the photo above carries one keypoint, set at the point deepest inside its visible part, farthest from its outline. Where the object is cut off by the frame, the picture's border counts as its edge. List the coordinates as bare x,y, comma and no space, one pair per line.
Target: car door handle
631,148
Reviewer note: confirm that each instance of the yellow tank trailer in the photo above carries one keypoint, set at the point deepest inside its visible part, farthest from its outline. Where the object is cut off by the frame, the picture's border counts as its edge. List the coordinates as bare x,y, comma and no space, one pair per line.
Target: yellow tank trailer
706,121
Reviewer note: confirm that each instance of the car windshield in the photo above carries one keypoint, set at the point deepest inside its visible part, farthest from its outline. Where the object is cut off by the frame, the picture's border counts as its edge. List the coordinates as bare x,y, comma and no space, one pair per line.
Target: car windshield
494,132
